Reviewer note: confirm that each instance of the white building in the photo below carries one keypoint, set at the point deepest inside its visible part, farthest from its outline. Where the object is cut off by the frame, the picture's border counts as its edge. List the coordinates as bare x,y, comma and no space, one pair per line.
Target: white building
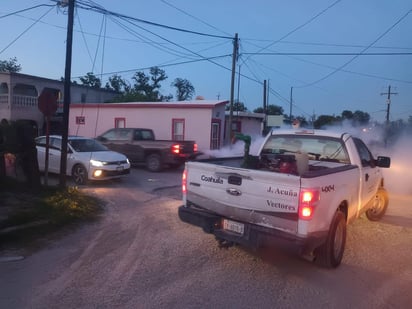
19,96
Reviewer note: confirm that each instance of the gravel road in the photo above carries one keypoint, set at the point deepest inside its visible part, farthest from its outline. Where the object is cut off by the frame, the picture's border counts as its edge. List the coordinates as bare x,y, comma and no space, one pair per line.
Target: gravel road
140,255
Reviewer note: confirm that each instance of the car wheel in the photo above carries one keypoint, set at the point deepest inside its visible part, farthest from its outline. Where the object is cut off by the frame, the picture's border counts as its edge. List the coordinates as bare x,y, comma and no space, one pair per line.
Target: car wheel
330,254
79,174
379,206
154,162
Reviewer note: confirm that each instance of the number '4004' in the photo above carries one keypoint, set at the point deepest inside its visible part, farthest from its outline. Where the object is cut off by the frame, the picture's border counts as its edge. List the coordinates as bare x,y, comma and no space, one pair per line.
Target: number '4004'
329,188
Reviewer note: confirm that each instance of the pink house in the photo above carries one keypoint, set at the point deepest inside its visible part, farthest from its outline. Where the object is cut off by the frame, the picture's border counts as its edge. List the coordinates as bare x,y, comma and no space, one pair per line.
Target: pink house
200,120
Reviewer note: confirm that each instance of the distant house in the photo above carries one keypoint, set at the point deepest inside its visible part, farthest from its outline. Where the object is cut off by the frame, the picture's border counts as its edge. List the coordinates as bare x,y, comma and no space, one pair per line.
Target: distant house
19,97
247,122
200,120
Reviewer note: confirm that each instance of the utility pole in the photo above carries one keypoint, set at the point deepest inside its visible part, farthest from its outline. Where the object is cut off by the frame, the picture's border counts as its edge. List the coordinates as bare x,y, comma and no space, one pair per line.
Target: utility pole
388,101
232,89
265,108
66,100
290,106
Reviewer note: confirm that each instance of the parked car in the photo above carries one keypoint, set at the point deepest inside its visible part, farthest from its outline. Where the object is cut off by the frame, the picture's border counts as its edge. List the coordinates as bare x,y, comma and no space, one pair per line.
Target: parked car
87,159
141,147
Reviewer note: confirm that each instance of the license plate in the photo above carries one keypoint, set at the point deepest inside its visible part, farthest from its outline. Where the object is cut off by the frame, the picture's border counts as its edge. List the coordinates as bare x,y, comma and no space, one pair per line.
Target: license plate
233,226
119,168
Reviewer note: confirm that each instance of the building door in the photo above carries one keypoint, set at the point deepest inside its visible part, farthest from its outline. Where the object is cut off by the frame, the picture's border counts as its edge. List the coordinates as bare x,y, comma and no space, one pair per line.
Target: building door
215,134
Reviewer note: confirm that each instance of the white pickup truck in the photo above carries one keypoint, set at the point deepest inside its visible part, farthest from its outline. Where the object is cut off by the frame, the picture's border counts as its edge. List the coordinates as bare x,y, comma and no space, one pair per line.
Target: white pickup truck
301,191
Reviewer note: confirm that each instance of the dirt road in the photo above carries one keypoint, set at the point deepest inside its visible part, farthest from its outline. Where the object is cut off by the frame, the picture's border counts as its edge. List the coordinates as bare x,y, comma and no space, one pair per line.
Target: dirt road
140,255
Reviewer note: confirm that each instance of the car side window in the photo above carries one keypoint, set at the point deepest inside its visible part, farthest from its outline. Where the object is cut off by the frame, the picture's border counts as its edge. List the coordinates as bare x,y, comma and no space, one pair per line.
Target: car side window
364,153
41,141
137,135
147,135
56,143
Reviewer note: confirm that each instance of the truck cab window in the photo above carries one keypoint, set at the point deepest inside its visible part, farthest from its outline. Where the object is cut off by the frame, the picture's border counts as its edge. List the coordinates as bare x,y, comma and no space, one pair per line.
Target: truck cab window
364,153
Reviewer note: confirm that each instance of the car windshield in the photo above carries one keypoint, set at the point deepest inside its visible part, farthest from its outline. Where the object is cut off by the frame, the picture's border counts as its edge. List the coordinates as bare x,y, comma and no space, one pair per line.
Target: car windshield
86,145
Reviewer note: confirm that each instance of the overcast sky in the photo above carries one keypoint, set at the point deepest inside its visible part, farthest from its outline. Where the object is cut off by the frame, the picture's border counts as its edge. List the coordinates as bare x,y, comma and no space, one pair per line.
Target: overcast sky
337,55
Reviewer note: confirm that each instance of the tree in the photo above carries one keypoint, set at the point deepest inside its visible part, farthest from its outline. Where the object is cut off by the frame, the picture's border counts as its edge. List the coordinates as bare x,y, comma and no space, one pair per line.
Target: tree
347,115
91,80
271,110
361,118
118,84
324,120
237,107
184,89
10,65
148,86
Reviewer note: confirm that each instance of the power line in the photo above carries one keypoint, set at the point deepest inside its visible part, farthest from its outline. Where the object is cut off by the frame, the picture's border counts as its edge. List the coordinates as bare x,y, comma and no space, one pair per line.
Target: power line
162,66
329,54
194,17
365,49
27,9
27,29
300,26
104,11
332,44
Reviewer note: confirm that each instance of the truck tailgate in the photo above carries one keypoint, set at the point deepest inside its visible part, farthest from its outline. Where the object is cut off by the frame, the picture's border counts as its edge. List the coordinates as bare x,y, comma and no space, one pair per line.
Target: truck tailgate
245,195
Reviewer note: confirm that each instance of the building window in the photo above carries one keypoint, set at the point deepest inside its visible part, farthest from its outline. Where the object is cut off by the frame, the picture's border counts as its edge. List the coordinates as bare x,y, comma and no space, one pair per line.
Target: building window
178,129
236,126
120,122
4,89
80,120
83,98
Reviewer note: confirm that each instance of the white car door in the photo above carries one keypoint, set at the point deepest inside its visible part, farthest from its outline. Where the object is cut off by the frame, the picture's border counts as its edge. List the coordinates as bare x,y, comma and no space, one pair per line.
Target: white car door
54,155
370,176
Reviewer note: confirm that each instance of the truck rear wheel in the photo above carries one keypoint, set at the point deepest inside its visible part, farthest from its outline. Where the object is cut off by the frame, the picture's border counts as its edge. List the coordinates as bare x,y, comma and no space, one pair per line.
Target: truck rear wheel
379,206
330,254
154,163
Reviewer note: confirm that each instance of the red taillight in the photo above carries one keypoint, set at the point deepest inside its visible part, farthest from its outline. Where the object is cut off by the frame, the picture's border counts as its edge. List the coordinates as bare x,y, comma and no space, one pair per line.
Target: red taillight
195,147
184,181
176,148
308,199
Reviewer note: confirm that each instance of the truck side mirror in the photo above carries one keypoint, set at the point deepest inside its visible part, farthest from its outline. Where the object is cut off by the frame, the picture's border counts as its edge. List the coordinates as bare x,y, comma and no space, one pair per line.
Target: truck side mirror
383,161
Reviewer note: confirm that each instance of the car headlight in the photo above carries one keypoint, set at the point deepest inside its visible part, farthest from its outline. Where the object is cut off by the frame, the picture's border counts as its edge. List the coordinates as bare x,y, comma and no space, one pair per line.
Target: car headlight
96,163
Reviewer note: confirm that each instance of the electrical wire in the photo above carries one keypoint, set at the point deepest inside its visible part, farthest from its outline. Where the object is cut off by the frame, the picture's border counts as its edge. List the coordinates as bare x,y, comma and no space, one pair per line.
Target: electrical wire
163,66
329,54
300,26
194,17
363,51
27,9
85,6
27,29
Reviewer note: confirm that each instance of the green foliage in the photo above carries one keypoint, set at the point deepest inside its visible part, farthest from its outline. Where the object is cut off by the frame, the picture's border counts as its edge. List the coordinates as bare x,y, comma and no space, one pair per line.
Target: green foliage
118,84
91,80
70,204
324,120
237,107
10,65
271,110
52,205
184,89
